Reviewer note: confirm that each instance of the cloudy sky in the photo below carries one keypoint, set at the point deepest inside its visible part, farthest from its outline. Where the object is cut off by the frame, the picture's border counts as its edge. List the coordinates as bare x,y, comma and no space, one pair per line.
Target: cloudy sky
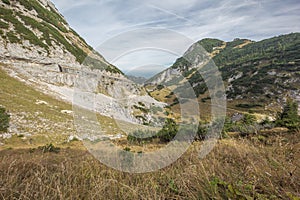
143,36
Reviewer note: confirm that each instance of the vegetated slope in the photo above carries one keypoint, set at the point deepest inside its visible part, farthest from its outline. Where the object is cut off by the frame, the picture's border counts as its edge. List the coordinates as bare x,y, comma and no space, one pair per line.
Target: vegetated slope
33,29
36,118
256,74
38,46
268,68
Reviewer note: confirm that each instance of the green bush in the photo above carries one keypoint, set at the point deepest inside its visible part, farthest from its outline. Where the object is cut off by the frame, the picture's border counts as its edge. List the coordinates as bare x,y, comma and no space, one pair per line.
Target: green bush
245,130
141,104
12,37
4,25
141,136
244,127
166,134
49,148
6,2
249,119
144,110
5,12
289,117
267,123
246,105
127,149
228,125
169,131
4,120
175,102
160,87
202,131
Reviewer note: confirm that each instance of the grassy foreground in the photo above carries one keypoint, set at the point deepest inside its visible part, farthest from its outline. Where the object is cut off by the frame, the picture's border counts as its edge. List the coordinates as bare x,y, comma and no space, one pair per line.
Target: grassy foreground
235,169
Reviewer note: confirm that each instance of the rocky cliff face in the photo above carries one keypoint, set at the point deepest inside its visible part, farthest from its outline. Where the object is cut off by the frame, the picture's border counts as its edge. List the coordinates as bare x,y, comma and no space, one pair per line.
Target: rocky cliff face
39,47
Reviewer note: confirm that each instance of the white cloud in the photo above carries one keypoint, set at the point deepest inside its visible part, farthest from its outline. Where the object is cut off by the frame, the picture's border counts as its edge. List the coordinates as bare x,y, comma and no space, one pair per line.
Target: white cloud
99,20
147,62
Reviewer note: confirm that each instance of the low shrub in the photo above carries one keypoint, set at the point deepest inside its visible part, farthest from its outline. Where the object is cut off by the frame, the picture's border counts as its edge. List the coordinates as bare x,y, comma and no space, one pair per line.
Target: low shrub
49,148
169,130
141,136
4,120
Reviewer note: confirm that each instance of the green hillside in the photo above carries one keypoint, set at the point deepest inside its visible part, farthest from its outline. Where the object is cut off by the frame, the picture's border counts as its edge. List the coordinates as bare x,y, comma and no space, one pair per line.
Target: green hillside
275,60
253,72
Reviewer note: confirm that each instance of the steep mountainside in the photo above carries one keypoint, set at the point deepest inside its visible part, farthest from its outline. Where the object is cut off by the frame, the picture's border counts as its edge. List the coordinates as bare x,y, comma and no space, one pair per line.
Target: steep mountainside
257,75
32,29
39,47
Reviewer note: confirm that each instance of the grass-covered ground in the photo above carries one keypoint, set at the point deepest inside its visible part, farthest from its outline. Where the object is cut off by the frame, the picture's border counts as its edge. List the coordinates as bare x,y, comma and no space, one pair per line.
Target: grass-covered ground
32,112
235,169
258,166
37,119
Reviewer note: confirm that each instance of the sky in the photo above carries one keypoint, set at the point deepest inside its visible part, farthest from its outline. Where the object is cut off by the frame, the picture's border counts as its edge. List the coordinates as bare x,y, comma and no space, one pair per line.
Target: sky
143,37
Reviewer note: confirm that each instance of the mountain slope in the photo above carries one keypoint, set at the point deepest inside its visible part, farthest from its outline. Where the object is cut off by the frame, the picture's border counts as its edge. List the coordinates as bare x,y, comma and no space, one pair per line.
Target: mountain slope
31,29
39,47
257,75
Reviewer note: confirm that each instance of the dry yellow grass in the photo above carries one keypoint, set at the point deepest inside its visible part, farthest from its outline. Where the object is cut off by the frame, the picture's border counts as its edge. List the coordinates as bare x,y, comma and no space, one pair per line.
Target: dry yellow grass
244,44
235,169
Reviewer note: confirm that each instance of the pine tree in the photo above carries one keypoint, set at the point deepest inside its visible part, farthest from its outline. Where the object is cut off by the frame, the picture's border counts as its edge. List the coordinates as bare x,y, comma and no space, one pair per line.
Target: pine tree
289,117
